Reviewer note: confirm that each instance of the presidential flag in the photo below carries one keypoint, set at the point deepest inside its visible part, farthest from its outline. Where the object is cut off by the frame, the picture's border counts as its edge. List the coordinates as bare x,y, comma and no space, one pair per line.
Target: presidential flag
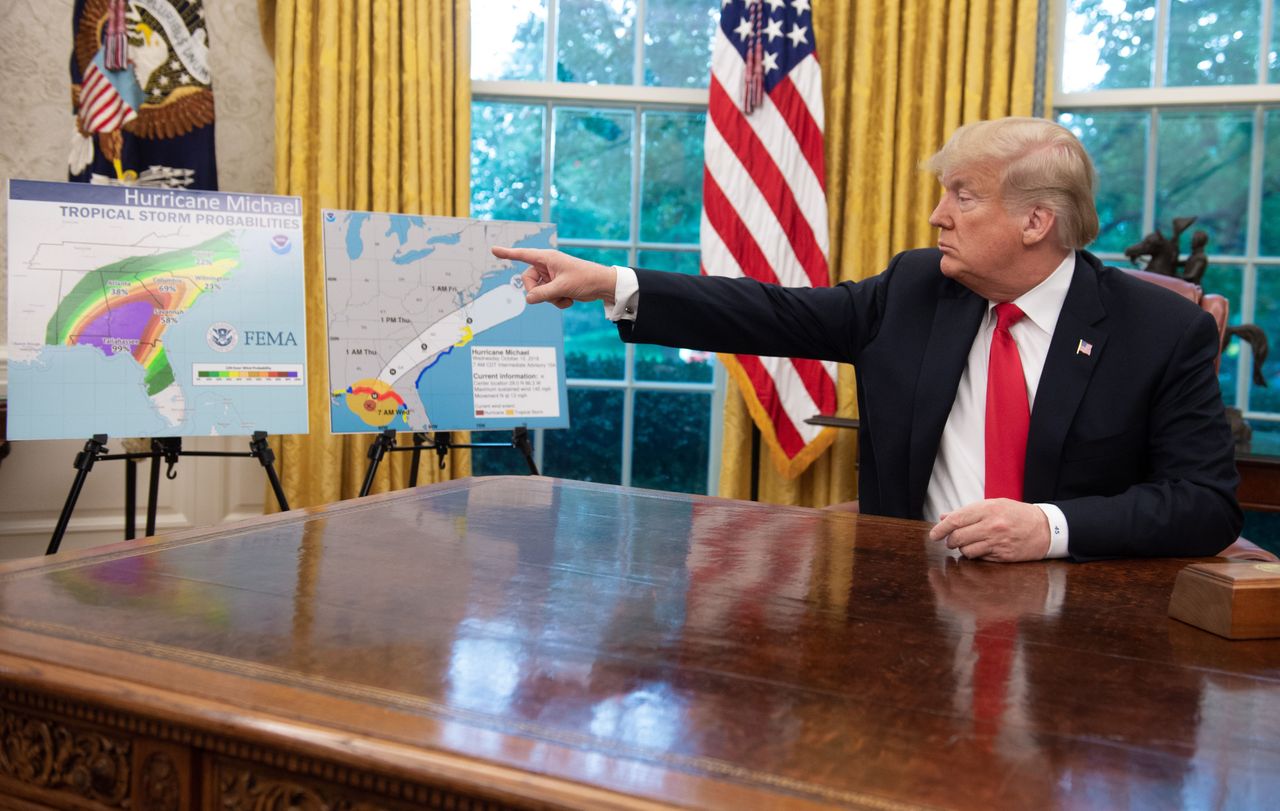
764,202
142,94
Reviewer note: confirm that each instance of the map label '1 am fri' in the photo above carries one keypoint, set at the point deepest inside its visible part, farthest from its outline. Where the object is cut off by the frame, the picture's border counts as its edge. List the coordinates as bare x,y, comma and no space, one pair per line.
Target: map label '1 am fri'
429,331
154,312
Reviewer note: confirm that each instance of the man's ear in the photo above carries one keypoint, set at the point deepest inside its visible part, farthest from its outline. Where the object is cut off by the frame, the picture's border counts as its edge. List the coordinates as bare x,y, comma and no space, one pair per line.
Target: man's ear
1037,225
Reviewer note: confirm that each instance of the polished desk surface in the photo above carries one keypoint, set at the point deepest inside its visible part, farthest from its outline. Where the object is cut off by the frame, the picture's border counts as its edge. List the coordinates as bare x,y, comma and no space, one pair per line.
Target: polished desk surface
562,644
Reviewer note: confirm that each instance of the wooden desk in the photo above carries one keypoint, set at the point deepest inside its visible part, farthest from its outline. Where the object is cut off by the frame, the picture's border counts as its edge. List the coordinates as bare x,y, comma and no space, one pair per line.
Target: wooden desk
525,642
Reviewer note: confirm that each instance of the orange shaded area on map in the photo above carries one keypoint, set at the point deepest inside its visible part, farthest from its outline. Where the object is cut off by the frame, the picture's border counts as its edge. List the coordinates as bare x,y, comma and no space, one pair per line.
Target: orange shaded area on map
374,402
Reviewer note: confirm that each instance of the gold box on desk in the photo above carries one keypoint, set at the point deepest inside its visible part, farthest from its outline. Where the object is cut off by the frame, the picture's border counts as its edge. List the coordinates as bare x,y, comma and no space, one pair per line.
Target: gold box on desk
1235,600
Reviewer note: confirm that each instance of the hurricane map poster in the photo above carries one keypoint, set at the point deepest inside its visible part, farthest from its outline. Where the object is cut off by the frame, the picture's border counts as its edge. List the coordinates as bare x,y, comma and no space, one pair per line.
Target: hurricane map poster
429,331
154,312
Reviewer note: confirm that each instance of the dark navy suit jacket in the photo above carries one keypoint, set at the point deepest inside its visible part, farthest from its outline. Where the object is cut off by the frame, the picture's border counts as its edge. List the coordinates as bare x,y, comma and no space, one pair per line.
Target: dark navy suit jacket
1130,440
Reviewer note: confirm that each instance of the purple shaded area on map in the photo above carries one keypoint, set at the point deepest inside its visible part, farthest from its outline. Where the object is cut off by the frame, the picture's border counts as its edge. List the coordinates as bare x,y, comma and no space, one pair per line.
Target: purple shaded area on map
126,321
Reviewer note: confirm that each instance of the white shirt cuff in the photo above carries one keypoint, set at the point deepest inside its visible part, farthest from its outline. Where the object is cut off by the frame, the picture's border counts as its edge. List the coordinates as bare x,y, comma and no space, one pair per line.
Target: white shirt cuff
1057,531
626,296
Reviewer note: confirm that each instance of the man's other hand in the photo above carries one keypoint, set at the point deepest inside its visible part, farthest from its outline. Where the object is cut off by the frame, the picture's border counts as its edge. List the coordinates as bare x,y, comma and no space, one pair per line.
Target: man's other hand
560,278
998,529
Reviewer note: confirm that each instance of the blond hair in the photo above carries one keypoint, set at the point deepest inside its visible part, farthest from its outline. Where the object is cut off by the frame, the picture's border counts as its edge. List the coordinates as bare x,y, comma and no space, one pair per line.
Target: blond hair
1038,162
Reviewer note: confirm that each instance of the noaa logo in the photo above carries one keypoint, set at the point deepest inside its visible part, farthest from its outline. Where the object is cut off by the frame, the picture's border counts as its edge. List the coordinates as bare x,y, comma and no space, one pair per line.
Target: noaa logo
281,244
329,216
222,337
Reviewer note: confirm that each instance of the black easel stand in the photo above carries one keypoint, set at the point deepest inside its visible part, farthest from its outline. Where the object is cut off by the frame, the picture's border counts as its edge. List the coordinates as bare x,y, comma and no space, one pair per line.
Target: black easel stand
168,448
440,442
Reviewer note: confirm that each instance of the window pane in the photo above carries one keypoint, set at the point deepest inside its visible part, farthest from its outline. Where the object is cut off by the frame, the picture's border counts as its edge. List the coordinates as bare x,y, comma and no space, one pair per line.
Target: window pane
1266,314
591,178
1270,242
1273,55
1266,439
1117,142
1109,43
1227,280
506,161
1213,43
1203,171
677,42
591,449
592,348
509,39
663,362
672,435
595,41
671,189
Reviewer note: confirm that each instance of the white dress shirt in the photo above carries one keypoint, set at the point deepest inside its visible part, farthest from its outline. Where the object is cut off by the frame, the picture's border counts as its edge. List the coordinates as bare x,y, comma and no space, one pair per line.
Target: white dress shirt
959,471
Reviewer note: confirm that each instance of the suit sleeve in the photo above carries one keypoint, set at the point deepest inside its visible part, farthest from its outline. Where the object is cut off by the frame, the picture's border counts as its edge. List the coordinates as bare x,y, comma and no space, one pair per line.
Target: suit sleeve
1186,506
743,316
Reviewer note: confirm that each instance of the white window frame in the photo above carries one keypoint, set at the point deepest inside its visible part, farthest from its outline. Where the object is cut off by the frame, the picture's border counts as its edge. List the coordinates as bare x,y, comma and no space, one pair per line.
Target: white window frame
1260,97
637,99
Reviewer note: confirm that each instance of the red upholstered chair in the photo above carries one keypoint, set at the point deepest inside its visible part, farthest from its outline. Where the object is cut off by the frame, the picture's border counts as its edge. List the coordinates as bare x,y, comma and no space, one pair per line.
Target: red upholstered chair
1219,308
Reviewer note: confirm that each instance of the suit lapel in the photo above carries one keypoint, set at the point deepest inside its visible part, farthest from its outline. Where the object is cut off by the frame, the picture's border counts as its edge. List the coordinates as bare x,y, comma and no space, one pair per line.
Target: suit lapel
1074,352
955,323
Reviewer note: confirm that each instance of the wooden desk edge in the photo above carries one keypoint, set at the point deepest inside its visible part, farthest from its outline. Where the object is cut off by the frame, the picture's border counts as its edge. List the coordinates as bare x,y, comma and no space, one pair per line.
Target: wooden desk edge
332,755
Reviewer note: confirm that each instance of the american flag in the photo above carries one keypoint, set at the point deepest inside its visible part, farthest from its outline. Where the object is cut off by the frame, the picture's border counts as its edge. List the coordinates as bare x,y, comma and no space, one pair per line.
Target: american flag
764,201
102,107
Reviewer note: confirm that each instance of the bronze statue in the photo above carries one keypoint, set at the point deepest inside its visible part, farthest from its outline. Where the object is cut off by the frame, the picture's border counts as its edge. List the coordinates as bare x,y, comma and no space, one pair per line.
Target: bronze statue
1162,251
1162,257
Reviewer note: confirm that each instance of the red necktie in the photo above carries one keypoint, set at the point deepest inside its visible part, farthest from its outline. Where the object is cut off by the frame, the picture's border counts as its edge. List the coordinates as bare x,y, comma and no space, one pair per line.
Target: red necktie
1008,416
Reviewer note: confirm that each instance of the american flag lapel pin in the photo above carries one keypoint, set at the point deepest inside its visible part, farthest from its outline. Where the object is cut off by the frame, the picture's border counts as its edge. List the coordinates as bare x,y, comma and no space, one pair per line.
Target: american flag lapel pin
1084,347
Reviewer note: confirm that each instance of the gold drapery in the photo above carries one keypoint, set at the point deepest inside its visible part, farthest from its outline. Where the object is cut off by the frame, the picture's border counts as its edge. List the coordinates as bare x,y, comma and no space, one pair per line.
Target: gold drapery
897,78
373,112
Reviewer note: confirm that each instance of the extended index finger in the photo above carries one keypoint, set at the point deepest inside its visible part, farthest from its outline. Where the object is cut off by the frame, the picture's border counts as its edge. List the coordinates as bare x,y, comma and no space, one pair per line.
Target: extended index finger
527,255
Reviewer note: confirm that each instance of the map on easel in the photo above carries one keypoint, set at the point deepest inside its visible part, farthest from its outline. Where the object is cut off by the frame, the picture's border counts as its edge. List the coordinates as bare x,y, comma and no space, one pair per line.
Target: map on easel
429,331
154,312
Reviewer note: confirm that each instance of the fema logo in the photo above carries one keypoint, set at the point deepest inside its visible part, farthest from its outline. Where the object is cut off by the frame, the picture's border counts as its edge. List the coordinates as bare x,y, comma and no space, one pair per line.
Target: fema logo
222,337
281,244
329,216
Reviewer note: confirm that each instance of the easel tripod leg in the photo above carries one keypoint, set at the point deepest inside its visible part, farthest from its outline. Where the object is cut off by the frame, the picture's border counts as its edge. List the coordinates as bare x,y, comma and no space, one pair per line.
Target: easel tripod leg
153,489
130,499
415,458
520,439
384,442
260,449
94,448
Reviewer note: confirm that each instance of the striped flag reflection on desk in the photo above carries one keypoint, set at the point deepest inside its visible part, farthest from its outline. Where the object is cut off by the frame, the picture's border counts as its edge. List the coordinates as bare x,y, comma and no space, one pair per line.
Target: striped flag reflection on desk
764,202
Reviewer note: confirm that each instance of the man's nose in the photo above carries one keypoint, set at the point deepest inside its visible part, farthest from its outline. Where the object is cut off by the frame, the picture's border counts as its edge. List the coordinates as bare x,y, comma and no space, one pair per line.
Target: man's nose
940,218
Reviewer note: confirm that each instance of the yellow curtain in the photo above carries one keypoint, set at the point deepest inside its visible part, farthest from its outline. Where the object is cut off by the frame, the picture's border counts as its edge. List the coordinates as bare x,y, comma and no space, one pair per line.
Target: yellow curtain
373,112
898,77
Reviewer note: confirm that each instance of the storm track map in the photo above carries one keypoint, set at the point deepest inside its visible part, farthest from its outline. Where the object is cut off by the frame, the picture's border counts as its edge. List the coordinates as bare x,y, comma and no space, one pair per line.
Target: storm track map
429,331
154,312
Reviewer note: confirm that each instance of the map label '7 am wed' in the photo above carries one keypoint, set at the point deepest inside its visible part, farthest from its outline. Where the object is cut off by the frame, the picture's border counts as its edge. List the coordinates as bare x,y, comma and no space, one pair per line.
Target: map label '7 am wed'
154,312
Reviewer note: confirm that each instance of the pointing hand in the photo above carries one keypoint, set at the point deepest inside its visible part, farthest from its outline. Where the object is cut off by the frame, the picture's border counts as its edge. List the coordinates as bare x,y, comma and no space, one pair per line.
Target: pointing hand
560,278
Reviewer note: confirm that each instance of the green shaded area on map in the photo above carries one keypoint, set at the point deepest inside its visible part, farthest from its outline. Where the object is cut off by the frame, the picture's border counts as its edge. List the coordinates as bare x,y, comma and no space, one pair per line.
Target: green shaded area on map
126,306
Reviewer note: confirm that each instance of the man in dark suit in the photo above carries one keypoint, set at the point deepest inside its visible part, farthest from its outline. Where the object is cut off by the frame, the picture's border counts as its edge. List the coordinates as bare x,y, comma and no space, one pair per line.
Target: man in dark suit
1013,390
